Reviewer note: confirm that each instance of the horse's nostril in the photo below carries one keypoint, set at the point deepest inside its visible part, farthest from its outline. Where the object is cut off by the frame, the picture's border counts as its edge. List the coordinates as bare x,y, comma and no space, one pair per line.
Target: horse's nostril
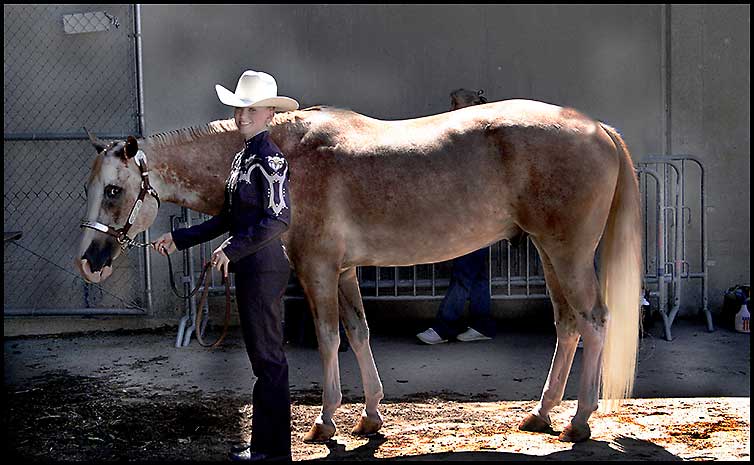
99,254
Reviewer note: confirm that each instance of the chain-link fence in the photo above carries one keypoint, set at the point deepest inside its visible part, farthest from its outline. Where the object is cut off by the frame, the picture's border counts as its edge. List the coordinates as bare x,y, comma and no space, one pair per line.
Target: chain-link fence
65,67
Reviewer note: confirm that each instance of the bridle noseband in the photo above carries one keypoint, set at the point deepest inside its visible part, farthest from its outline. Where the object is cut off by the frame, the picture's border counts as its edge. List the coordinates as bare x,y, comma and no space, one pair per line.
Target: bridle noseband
120,234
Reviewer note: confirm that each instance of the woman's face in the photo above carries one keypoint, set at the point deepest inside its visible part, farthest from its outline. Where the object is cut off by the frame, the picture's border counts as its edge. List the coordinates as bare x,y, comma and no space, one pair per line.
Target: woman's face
251,120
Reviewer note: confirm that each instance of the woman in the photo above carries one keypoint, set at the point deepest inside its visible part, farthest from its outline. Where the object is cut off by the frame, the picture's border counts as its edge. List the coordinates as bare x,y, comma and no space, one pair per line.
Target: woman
256,212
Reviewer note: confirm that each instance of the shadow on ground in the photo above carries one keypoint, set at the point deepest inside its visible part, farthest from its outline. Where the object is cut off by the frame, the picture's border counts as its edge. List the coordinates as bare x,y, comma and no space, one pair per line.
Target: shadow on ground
622,448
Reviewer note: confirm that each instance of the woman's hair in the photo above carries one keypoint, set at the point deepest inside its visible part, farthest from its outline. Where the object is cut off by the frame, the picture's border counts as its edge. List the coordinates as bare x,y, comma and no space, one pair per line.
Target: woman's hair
460,98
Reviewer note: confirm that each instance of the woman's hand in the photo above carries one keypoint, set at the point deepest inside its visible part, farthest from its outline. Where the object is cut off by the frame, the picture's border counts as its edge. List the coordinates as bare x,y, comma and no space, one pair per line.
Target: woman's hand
164,245
220,261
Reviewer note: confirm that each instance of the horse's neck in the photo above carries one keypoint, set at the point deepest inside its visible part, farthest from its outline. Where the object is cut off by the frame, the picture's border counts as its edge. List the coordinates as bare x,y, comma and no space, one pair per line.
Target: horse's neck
192,174
189,166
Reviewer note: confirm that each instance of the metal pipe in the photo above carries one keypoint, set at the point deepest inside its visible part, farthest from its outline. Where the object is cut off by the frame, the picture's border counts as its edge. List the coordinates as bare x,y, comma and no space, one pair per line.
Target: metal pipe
675,263
395,280
527,265
489,270
190,284
678,261
30,136
71,311
439,297
704,233
139,70
433,279
181,330
414,280
142,130
660,249
509,267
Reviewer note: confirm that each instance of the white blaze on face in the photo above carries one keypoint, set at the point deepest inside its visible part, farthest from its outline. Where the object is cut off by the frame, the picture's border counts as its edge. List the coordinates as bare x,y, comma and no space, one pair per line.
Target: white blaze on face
93,203
95,194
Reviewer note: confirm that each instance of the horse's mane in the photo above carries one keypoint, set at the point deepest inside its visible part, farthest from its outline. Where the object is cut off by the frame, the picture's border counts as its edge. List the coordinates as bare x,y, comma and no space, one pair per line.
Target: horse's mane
191,134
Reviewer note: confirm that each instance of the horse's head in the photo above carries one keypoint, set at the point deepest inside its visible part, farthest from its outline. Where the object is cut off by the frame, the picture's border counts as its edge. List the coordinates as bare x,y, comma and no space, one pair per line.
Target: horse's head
119,206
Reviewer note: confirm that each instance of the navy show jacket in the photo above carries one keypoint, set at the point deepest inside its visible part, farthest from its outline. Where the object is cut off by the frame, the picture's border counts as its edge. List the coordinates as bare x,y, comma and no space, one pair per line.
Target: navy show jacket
256,211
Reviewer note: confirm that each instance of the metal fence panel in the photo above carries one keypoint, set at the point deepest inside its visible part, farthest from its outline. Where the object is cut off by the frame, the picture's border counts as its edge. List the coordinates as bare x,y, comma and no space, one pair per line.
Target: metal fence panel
65,67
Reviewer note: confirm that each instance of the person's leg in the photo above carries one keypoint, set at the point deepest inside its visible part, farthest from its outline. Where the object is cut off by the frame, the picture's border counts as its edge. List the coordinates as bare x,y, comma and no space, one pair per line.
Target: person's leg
480,315
260,312
448,321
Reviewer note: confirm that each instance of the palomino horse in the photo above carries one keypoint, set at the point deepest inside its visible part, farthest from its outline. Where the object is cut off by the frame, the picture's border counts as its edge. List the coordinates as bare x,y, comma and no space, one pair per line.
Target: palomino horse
394,193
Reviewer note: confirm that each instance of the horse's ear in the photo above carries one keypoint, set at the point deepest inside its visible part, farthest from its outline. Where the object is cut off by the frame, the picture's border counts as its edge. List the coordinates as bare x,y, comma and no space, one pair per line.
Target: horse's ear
132,147
99,146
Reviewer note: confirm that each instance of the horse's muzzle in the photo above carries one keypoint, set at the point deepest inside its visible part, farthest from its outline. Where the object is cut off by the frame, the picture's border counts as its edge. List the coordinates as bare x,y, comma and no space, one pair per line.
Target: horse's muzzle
96,263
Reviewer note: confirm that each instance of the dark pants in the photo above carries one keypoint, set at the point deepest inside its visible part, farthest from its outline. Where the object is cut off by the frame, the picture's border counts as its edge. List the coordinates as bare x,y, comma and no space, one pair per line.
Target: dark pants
259,296
469,281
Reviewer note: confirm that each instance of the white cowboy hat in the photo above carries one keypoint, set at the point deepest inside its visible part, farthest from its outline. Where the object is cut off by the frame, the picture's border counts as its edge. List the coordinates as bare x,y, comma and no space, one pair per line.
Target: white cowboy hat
255,89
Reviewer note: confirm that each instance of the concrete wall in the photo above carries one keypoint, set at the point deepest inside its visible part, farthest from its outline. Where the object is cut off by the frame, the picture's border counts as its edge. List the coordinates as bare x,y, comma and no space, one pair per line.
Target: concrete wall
710,118
395,62
618,63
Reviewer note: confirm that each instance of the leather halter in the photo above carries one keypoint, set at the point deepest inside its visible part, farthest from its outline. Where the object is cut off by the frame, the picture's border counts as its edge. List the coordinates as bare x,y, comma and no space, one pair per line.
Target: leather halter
126,243
120,234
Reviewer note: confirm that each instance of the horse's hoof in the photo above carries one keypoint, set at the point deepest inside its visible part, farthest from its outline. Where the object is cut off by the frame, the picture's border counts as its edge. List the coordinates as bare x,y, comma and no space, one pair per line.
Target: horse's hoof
367,426
575,434
534,424
319,433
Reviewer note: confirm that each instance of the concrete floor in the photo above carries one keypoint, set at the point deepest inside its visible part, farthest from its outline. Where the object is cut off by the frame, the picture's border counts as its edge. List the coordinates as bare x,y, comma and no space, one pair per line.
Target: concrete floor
513,366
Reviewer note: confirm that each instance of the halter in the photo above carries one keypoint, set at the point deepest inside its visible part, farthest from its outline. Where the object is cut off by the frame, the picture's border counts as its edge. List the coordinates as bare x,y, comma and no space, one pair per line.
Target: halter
120,234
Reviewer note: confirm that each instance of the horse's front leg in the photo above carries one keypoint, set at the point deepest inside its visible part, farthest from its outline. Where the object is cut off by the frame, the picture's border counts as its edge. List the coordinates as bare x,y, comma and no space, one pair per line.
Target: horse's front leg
354,320
321,287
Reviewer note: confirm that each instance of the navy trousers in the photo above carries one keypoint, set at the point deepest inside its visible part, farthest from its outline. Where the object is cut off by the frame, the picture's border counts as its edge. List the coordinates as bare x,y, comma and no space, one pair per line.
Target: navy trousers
260,307
469,281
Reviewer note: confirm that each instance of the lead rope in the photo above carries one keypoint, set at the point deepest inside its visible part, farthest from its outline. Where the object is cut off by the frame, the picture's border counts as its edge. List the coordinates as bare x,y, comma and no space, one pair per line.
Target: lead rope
203,278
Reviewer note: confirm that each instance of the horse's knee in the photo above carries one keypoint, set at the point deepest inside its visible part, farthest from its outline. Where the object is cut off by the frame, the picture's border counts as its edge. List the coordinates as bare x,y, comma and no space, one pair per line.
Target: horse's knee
328,339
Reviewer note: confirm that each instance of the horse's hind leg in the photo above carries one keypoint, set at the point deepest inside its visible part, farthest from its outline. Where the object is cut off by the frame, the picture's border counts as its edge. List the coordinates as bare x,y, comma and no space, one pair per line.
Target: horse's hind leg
565,348
354,320
321,286
578,281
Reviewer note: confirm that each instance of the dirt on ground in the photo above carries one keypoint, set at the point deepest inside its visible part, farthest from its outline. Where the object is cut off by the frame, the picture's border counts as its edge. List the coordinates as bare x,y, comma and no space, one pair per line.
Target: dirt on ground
133,396
63,417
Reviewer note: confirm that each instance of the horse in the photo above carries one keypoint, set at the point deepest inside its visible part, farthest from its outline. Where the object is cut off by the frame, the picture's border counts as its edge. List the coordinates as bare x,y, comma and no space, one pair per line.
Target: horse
370,192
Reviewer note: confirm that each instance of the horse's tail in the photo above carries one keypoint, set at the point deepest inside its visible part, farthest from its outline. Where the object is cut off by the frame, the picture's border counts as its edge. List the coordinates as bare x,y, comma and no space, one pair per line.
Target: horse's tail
620,280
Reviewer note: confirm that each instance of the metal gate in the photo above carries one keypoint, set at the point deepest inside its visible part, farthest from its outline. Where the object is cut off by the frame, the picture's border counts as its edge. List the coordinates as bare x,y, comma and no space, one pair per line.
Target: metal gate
675,235
65,67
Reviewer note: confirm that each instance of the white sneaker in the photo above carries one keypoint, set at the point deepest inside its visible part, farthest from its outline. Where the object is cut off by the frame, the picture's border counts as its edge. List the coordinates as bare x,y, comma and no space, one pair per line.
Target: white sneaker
472,334
430,337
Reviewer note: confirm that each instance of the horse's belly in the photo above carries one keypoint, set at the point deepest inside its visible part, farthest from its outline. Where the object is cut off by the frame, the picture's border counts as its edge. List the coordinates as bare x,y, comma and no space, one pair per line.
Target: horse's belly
417,246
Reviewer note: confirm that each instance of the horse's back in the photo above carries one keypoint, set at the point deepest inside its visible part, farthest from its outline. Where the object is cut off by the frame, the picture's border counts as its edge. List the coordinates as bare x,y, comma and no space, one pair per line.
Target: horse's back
490,168
355,134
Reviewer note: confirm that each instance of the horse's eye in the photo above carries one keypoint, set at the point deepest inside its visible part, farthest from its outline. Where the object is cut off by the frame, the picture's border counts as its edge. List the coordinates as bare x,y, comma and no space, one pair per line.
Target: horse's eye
112,192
